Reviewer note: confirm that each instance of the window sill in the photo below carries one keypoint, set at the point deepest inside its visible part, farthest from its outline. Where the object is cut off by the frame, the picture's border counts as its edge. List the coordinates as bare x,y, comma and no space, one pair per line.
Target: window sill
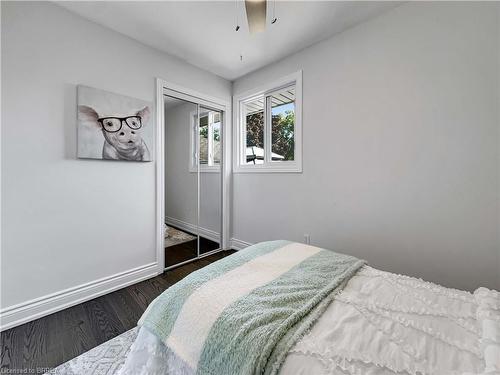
205,170
268,169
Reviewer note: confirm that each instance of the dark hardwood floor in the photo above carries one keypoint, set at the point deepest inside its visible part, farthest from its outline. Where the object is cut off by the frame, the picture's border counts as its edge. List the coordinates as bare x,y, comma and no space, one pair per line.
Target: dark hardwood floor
54,339
180,253
188,250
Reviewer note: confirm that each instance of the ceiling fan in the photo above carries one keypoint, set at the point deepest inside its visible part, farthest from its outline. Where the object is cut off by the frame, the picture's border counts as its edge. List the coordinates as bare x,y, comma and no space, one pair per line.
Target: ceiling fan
256,15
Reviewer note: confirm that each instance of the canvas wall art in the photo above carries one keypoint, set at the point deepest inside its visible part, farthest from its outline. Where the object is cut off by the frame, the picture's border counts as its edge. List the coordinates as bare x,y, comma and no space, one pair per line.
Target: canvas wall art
113,126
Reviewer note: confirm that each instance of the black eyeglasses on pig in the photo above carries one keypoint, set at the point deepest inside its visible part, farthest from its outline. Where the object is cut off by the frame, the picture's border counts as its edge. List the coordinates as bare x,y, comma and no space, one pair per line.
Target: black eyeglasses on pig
114,124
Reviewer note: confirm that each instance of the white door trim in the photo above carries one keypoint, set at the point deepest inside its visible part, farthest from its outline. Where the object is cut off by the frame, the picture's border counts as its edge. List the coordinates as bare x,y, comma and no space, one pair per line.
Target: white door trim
160,175
205,100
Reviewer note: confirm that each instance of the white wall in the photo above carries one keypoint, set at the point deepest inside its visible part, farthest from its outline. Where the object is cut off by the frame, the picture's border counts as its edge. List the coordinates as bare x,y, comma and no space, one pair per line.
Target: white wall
66,222
400,143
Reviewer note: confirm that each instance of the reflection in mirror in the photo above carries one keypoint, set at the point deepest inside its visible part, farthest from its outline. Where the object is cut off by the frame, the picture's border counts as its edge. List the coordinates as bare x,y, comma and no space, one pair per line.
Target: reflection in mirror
210,147
181,183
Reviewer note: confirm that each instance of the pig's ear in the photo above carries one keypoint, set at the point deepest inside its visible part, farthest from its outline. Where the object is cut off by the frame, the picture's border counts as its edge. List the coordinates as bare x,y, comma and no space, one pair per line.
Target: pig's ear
87,113
144,115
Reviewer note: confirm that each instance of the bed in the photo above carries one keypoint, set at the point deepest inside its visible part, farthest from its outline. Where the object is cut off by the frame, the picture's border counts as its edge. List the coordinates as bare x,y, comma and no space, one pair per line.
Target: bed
289,308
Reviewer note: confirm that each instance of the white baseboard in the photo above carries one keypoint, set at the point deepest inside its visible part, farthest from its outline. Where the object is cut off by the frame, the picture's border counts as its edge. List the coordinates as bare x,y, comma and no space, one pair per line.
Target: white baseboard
238,244
204,232
36,308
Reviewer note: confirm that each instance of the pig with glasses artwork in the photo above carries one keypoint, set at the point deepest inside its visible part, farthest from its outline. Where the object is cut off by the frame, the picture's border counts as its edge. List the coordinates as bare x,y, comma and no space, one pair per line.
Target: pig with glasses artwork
112,126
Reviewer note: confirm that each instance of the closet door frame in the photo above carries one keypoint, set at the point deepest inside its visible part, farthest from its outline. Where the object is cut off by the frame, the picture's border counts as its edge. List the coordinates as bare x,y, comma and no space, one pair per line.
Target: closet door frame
163,88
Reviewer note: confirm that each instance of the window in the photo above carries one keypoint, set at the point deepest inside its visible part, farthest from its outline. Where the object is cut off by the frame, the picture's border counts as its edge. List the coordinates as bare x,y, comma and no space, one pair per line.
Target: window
268,137
210,141
254,131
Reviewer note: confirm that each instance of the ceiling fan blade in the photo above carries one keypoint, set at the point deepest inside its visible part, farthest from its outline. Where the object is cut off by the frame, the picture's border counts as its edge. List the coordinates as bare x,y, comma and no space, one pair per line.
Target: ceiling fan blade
256,15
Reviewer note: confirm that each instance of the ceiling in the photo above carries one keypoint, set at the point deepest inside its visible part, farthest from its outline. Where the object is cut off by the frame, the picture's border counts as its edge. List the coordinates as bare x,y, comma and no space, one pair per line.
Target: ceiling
203,32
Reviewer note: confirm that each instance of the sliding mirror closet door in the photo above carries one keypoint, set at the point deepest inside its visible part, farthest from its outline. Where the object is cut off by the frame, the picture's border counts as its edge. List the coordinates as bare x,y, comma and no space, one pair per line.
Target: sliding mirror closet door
181,181
210,146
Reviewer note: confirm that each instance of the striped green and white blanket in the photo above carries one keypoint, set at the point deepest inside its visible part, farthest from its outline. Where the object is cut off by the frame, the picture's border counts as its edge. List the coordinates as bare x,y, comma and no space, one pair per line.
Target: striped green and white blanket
242,314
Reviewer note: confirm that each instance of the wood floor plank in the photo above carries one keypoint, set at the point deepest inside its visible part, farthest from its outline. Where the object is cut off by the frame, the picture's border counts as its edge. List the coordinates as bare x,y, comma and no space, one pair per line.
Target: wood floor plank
103,321
11,342
53,352
76,332
125,308
139,295
54,339
34,344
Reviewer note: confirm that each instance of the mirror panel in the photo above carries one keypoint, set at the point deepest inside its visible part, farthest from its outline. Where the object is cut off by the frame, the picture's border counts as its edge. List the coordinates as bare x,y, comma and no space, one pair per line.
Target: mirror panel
181,181
210,146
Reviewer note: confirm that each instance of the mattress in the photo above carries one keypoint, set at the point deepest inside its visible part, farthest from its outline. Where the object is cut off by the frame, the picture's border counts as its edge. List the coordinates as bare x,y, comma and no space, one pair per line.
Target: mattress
380,323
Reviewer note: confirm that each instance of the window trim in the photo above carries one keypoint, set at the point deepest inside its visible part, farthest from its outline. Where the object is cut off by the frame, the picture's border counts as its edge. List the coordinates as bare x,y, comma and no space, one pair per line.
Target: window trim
192,158
239,140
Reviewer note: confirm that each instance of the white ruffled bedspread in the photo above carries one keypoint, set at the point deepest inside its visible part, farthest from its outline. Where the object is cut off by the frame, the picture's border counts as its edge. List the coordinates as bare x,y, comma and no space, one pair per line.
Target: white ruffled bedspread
381,323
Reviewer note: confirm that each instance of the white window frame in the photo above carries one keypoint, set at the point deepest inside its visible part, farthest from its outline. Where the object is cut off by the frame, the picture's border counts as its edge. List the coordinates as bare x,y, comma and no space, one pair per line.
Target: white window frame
239,141
193,167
